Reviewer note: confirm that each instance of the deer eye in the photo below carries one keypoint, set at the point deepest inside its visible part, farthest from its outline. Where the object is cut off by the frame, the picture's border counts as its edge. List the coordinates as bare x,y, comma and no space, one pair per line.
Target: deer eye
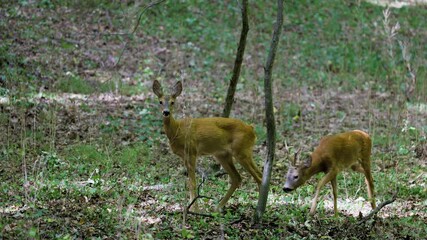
296,177
161,102
172,103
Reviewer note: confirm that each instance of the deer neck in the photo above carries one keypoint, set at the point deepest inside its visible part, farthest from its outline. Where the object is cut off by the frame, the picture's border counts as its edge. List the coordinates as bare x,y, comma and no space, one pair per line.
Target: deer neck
171,127
315,168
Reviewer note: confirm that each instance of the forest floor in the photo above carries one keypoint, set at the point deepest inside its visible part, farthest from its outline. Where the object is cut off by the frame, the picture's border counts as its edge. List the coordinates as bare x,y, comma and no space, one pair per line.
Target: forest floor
83,154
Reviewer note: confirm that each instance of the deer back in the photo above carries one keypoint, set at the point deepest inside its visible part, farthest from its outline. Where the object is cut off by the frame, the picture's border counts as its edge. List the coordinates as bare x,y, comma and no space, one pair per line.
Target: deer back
206,136
342,150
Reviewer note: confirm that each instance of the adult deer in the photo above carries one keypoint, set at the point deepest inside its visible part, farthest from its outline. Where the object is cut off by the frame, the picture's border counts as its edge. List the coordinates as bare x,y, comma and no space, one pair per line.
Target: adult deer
334,154
223,138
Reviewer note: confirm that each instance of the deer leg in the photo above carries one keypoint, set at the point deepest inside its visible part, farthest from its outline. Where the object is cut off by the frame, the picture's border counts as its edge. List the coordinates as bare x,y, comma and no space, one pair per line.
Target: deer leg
248,163
226,162
369,183
190,163
327,178
366,170
335,194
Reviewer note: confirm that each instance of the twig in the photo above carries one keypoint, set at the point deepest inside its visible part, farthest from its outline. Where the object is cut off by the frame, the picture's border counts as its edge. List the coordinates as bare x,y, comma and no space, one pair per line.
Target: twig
200,214
143,11
136,27
110,22
237,221
198,194
379,207
194,200
121,54
221,228
220,173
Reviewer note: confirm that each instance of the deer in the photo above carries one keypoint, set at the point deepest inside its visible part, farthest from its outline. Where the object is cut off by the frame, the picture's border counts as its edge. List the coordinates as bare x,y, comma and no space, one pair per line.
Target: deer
335,153
222,138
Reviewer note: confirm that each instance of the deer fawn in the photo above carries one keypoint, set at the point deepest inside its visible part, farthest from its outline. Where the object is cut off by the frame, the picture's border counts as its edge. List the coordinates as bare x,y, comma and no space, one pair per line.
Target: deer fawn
334,154
223,138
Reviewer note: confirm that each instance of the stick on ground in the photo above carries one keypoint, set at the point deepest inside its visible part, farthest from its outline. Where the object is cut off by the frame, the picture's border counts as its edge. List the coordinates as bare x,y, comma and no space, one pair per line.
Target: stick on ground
379,207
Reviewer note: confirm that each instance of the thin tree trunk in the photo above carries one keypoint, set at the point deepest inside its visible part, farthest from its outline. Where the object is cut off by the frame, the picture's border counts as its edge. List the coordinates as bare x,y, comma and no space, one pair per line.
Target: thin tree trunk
269,114
238,61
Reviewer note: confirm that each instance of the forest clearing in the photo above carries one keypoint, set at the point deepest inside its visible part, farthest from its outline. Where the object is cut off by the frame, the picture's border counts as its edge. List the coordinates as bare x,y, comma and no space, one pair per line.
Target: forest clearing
83,152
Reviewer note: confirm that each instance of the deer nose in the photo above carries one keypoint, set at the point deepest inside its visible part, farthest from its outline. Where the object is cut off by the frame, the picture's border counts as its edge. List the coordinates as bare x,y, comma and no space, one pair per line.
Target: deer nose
166,113
286,189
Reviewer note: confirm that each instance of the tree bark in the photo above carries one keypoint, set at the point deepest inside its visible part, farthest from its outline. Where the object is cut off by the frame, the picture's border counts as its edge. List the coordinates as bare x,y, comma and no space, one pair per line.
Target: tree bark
269,114
238,61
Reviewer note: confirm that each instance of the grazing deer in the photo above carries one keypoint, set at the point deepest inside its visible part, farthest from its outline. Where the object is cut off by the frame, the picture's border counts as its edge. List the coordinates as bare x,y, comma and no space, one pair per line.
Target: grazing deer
223,138
334,154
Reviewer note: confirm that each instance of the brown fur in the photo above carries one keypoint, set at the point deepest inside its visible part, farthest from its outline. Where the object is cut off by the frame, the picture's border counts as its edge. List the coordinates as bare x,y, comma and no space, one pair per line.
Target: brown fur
334,154
223,138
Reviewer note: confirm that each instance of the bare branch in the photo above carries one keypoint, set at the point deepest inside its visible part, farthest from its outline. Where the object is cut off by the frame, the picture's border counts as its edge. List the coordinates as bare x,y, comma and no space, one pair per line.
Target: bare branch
143,11
379,207
187,210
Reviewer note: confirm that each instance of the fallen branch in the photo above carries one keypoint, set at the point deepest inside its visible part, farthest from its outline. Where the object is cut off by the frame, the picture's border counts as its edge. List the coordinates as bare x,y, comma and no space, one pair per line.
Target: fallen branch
379,207
194,200
187,209
200,214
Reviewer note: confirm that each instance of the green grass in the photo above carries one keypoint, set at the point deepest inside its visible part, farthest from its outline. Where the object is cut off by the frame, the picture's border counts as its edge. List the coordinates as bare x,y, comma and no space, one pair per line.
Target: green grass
74,84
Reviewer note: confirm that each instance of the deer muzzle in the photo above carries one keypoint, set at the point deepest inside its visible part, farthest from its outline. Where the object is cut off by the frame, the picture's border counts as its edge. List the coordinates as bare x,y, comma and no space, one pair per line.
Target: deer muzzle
288,187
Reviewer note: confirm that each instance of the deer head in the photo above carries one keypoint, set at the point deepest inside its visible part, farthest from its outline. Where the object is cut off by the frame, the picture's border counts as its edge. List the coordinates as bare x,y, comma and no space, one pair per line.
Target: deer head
167,102
297,172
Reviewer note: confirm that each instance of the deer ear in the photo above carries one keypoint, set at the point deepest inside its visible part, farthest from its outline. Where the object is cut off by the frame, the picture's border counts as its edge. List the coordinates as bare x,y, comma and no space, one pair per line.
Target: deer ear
157,89
307,162
177,89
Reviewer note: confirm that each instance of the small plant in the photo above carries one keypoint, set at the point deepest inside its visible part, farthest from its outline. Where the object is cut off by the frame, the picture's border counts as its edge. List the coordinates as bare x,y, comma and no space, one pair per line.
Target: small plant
149,126
74,84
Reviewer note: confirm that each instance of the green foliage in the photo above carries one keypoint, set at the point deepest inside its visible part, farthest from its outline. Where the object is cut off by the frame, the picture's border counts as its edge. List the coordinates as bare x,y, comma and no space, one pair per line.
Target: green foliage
150,125
290,115
261,133
12,71
74,84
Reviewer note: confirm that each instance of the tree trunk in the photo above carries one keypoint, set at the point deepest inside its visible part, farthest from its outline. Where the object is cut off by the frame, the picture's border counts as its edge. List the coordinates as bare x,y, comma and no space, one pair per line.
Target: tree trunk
269,114
238,61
